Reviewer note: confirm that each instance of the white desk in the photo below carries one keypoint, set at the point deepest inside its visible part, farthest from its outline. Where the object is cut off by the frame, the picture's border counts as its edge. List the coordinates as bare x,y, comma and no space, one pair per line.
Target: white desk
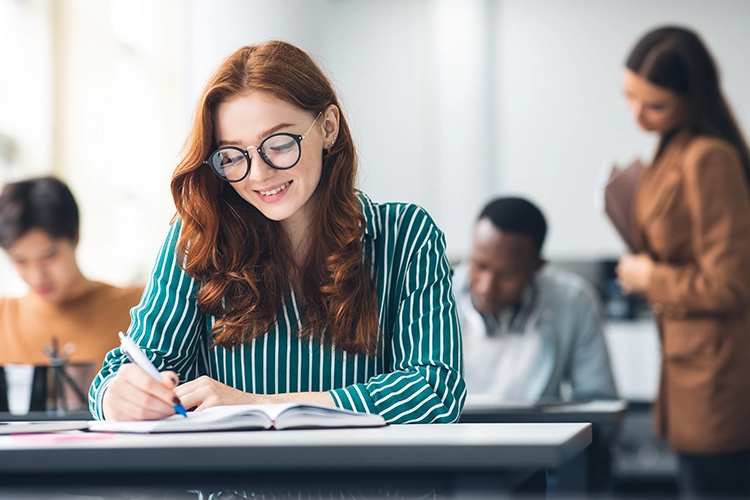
448,459
490,409
635,355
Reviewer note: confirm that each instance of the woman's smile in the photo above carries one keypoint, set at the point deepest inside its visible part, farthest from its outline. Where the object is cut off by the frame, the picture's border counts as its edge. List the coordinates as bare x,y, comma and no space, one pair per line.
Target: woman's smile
274,193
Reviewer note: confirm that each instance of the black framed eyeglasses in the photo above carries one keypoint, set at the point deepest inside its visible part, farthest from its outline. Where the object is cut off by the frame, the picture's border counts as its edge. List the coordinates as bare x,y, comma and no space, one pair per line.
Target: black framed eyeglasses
281,151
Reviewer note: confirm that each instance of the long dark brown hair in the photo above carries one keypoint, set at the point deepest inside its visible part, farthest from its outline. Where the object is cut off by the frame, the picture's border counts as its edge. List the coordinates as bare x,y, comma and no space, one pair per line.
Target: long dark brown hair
676,59
242,259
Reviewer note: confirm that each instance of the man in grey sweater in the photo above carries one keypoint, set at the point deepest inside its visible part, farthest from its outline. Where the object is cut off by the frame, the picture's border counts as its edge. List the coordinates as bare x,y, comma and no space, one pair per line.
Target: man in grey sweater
529,328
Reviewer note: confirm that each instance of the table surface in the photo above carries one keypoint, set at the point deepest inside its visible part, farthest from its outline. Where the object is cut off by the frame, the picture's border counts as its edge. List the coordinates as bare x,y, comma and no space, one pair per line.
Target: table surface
491,409
435,446
45,416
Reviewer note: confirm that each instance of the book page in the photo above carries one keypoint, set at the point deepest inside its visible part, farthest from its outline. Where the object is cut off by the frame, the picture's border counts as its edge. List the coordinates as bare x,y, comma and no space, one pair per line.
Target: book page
308,415
244,417
212,419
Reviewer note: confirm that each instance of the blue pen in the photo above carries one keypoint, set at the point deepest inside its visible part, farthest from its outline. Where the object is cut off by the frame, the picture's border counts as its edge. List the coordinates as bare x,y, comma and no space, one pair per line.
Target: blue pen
138,357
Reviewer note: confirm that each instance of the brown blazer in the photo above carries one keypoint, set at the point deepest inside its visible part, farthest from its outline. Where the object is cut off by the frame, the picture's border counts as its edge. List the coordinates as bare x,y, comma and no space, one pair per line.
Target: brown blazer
692,215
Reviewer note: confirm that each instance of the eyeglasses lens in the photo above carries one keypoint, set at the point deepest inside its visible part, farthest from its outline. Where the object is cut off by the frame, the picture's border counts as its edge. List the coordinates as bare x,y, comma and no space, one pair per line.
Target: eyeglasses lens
281,150
230,163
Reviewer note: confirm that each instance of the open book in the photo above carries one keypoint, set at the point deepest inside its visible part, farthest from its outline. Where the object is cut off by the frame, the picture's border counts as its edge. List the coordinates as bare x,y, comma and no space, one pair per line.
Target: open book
260,416
619,197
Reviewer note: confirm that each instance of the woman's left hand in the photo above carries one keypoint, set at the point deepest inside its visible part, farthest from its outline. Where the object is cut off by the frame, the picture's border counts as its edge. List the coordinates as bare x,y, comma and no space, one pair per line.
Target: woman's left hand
205,392
634,273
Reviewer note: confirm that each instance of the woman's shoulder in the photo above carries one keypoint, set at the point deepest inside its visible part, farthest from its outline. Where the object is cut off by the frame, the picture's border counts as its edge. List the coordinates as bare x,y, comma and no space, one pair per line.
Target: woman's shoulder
393,214
702,148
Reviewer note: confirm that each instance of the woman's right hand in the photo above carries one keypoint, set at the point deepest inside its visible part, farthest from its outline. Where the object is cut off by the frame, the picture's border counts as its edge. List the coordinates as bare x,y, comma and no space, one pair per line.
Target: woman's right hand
134,395
634,273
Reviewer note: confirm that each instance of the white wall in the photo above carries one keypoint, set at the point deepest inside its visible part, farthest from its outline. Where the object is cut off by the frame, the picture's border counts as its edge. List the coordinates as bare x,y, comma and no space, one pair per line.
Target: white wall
26,101
119,87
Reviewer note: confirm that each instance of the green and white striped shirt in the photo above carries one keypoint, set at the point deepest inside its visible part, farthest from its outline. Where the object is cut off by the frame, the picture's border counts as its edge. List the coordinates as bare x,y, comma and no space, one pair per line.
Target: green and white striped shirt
414,378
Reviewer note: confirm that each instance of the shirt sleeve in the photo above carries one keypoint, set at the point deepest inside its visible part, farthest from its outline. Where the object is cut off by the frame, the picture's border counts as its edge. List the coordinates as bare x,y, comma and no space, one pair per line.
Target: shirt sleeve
166,324
717,194
424,383
590,371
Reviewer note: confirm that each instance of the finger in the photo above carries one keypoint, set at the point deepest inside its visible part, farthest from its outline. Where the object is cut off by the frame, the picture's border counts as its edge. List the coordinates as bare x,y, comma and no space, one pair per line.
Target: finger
142,382
130,410
170,379
202,384
191,396
143,403
124,401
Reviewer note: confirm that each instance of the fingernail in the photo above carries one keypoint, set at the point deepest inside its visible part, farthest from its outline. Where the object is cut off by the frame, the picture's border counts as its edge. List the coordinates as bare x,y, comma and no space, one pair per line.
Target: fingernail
175,400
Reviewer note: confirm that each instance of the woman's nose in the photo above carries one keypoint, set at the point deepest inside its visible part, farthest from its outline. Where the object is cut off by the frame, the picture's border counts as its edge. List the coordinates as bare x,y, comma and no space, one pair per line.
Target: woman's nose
637,110
259,169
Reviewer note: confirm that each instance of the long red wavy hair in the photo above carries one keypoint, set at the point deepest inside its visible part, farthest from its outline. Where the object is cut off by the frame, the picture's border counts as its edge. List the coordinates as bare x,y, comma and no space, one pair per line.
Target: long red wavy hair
242,259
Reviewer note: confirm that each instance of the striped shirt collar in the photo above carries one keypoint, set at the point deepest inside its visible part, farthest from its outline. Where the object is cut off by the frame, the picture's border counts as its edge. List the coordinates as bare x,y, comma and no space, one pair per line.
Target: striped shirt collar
372,216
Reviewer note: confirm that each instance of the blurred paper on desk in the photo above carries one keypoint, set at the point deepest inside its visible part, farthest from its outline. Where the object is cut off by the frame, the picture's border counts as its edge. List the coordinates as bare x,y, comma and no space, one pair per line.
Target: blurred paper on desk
619,197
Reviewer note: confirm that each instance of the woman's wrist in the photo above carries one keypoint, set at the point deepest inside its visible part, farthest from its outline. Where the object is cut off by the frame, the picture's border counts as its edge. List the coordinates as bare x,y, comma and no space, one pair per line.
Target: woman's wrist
317,398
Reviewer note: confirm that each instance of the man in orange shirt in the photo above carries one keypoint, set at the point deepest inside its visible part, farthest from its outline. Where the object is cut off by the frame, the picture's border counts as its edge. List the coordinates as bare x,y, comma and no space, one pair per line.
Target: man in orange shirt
39,225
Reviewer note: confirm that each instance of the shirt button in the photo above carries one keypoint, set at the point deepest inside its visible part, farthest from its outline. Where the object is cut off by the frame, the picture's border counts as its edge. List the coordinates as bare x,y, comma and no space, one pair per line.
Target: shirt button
657,307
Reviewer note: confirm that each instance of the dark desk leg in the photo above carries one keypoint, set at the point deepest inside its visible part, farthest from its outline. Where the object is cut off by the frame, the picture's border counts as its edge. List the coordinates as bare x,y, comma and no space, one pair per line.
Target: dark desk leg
3,391
599,466
570,479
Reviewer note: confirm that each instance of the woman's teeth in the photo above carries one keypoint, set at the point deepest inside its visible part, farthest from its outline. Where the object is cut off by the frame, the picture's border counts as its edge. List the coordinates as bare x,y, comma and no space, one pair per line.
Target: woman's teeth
274,191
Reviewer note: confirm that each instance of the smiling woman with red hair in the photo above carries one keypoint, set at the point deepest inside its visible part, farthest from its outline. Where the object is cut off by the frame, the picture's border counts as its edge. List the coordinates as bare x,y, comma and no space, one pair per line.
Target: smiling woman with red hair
279,281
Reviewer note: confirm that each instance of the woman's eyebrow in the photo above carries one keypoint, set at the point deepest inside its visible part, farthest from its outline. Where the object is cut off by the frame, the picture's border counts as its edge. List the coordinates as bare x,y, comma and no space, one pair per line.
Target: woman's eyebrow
261,136
271,130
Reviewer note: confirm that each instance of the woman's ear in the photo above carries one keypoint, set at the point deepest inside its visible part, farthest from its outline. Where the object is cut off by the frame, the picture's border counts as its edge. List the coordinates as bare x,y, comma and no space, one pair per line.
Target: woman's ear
331,117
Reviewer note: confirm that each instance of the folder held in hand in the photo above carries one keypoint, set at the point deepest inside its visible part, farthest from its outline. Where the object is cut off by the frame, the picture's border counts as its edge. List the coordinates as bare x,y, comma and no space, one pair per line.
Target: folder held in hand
619,198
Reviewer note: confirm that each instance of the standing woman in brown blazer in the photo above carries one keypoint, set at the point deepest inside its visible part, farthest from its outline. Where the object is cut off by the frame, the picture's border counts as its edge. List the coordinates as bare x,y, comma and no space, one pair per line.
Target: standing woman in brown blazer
692,221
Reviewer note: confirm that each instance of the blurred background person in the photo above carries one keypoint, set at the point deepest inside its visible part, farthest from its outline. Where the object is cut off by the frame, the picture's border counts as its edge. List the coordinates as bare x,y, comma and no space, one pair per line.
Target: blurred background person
39,224
692,220
528,327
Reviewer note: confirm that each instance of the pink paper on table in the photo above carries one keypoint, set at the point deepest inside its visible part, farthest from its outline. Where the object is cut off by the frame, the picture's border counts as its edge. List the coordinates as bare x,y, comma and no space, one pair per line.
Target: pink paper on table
60,437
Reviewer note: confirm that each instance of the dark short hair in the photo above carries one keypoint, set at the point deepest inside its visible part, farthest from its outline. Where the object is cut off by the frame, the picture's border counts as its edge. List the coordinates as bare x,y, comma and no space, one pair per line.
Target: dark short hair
44,203
517,215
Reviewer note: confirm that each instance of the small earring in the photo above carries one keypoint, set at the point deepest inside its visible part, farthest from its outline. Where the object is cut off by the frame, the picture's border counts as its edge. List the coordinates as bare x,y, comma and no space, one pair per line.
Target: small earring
328,150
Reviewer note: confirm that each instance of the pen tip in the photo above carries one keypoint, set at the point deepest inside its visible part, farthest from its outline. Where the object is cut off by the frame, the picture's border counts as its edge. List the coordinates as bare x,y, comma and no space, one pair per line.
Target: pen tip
181,410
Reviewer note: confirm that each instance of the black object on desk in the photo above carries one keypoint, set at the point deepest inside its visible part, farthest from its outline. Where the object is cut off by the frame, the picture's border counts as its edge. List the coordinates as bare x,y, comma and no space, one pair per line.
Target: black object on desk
3,392
55,388
38,397
605,417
